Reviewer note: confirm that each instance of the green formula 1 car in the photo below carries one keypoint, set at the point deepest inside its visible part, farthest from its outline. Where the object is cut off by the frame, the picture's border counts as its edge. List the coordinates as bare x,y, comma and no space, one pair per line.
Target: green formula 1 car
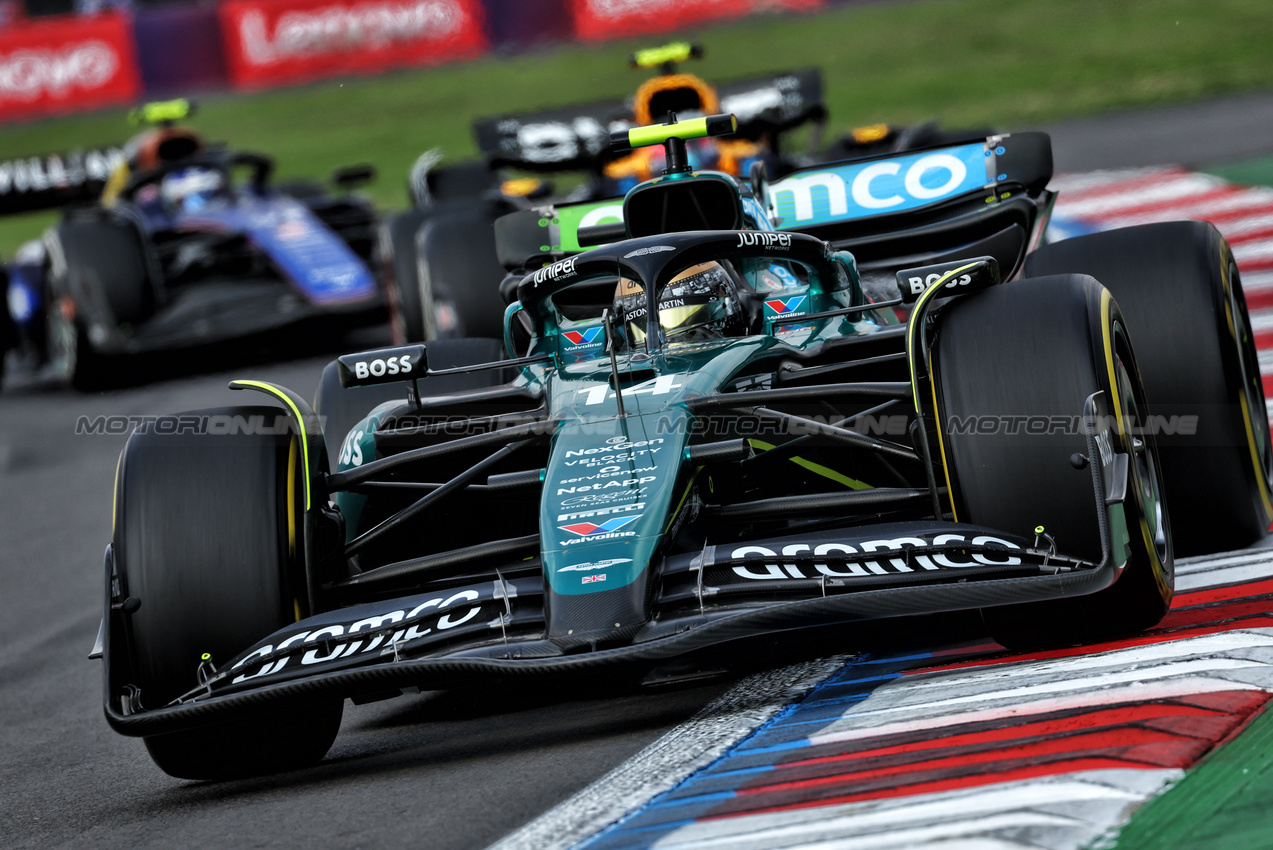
860,392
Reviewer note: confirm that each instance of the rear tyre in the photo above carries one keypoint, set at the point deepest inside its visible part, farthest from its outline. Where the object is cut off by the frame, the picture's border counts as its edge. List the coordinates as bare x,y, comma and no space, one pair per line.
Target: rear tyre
410,318
1034,354
458,259
204,538
1178,286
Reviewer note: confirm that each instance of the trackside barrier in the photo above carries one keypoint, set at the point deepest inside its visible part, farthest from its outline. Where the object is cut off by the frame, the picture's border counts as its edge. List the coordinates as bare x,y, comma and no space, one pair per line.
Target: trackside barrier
272,42
604,19
66,64
180,50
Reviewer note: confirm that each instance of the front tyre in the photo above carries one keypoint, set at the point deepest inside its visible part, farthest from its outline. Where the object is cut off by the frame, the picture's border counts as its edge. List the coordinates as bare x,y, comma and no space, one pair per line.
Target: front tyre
1179,288
1019,362
205,538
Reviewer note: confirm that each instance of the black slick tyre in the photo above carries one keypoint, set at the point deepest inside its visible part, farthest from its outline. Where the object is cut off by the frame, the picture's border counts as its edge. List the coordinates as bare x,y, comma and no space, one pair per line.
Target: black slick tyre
1020,361
457,257
98,287
1180,291
205,539
410,317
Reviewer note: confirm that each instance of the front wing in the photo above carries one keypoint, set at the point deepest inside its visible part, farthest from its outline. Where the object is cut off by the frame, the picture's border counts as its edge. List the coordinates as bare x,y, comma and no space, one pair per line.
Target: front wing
494,629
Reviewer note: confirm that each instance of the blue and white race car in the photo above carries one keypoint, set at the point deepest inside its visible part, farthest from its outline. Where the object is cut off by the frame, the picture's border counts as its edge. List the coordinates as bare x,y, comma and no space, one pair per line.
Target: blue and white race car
188,244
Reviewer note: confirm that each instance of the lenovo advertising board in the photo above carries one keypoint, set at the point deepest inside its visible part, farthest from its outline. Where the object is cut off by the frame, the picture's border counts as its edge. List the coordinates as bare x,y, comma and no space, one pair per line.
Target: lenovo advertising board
602,19
268,42
66,64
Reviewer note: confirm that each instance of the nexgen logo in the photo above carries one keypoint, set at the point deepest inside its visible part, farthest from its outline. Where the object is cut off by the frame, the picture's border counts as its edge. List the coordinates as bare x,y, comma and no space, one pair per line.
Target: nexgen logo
866,189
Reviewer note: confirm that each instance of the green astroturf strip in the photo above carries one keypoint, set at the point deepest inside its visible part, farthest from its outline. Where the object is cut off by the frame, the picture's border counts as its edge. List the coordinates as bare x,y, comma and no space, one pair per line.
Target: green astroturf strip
1221,803
1255,172
971,63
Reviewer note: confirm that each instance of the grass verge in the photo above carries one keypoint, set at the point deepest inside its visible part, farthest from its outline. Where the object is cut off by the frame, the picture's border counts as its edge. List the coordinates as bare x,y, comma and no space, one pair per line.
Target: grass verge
1002,63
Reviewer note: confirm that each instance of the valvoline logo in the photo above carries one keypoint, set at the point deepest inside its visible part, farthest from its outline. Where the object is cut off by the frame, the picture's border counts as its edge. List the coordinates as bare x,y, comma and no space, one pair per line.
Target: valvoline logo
590,336
589,529
783,306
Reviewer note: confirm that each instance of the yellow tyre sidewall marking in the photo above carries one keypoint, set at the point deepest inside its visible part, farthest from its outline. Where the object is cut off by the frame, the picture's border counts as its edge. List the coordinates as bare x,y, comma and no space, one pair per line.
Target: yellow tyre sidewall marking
911,341
1107,341
1261,481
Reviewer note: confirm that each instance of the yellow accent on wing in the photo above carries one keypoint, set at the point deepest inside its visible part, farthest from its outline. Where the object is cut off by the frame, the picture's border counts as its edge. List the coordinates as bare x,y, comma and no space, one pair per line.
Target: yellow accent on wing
912,340
291,498
941,448
816,468
688,486
300,422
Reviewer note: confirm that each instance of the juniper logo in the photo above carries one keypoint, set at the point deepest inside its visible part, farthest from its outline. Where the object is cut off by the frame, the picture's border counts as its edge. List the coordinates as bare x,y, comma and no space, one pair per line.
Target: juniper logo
563,268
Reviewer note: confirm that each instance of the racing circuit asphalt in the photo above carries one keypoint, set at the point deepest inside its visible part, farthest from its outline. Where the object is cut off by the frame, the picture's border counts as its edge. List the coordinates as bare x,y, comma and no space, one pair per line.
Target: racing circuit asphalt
439,770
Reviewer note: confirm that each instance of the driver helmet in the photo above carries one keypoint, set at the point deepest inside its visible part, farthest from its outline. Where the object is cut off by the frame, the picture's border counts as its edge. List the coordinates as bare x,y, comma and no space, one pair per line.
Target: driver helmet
699,303
679,93
190,189
161,145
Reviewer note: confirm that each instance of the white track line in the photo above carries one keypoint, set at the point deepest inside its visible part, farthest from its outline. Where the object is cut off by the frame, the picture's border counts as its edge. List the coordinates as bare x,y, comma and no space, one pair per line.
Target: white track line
1159,671
661,766
1075,808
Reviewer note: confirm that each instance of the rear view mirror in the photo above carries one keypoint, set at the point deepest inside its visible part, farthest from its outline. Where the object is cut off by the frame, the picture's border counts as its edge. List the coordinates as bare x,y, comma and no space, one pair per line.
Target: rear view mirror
352,176
956,278
383,366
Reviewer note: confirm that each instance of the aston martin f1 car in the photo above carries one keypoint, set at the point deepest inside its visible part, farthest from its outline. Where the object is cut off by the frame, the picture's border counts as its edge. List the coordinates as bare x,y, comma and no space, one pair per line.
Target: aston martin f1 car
187,244
700,428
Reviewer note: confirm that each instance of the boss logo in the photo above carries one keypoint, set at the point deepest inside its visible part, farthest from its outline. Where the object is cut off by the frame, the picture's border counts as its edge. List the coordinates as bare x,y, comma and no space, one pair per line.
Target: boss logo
382,366
956,278
918,284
